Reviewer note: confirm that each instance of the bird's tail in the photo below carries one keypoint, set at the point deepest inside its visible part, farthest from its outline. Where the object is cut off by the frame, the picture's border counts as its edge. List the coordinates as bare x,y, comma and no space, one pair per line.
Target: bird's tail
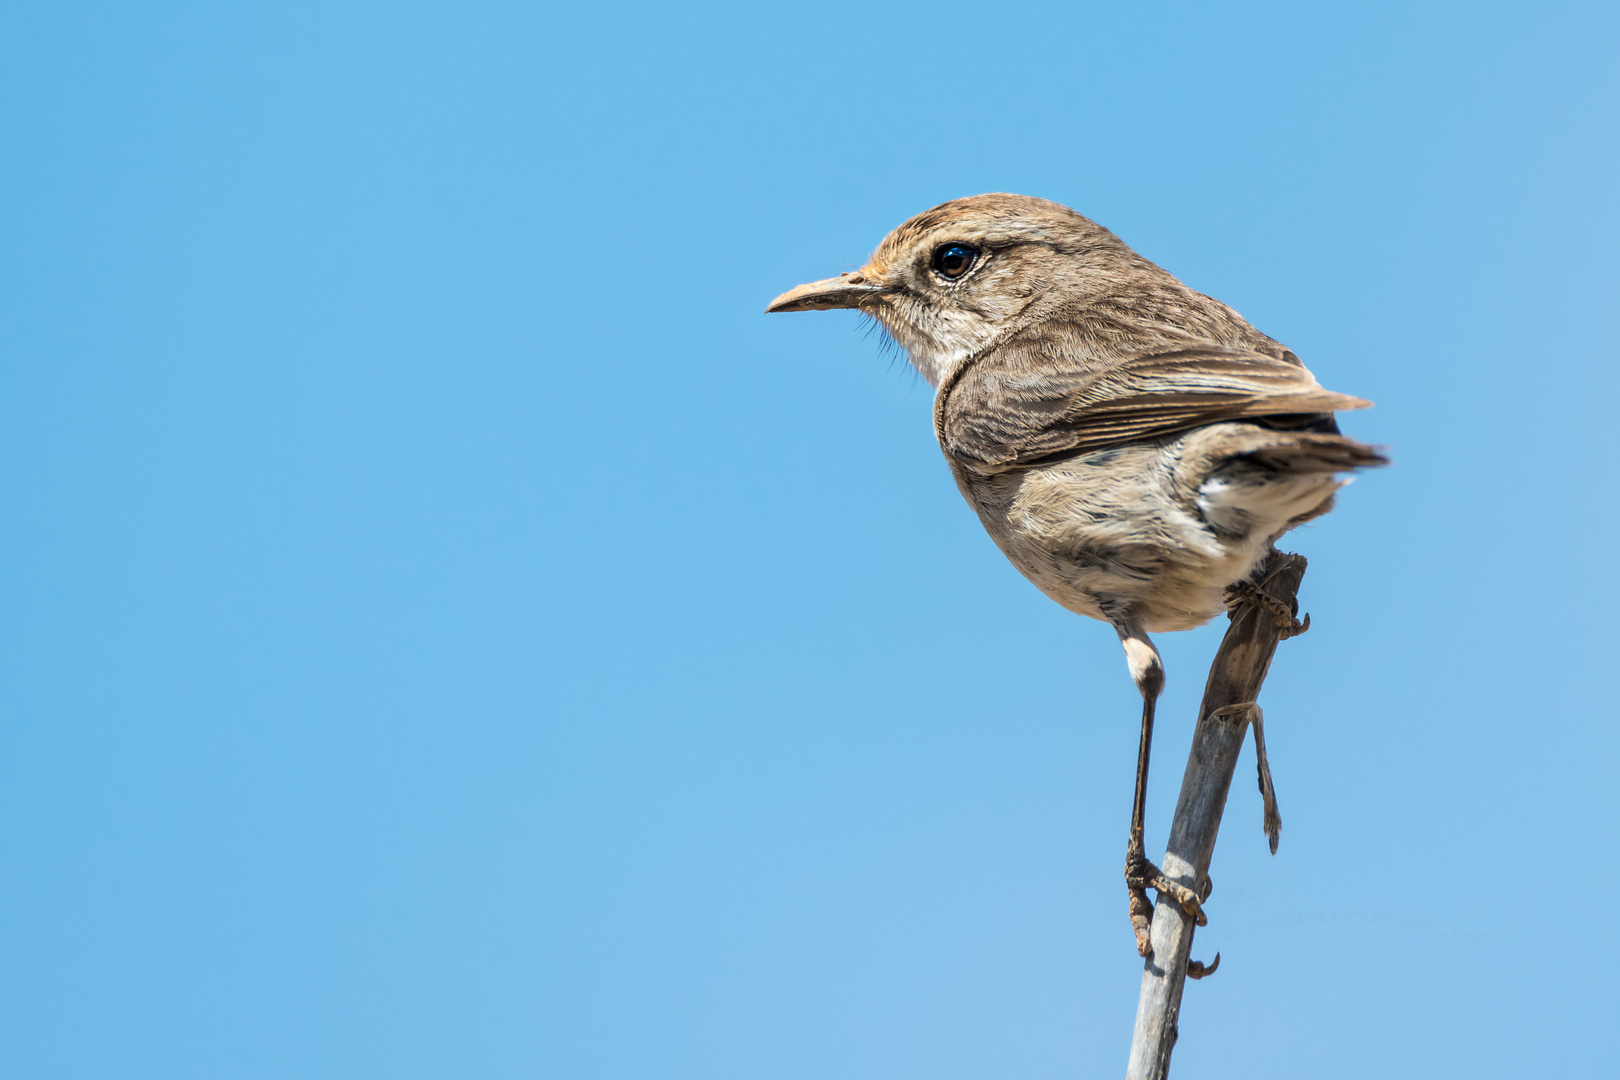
1306,452
1267,482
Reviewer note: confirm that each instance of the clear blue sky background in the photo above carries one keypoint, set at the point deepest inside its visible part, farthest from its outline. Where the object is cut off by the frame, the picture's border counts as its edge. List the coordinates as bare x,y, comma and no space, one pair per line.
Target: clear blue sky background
451,632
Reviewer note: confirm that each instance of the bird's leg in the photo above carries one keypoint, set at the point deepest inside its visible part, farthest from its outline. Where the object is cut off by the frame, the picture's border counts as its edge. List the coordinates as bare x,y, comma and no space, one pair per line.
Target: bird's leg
1271,818
1249,712
1282,615
1141,874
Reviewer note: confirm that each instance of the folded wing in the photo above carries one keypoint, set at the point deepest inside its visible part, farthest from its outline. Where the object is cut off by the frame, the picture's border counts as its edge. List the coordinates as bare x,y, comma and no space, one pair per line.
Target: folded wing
1009,410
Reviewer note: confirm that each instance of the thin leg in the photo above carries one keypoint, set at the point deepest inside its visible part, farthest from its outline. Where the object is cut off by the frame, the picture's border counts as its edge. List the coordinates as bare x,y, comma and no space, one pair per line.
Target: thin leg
1268,794
1140,874
1249,712
1136,861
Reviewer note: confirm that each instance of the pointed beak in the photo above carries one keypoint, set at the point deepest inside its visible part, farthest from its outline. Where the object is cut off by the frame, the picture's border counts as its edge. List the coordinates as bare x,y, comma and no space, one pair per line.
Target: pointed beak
849,290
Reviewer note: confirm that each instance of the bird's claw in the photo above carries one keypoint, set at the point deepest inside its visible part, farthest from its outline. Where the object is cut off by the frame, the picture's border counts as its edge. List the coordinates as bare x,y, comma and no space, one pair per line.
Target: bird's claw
1140,876
1197,969
1282,615
1141,920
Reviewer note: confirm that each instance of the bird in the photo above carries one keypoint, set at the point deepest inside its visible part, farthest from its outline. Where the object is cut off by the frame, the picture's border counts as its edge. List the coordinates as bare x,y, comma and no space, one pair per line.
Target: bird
1134,447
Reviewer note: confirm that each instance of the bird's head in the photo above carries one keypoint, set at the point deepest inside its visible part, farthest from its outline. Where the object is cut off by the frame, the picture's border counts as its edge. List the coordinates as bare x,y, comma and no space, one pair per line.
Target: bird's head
955,279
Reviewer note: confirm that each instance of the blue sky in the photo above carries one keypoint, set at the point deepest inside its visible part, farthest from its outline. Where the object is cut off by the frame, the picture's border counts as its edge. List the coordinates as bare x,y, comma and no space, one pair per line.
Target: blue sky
452,632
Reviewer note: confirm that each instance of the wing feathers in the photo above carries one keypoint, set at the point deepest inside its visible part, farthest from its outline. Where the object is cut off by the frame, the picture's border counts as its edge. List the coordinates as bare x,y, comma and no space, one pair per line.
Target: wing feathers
1003,411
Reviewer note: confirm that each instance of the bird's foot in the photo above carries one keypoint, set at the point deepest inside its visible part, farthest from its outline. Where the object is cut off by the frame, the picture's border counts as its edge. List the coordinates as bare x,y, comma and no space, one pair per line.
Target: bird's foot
1197,969
1282,615
1140,876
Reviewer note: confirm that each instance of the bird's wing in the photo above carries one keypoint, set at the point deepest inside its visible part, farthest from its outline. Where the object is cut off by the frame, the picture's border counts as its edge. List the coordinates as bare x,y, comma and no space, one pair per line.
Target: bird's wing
1015,406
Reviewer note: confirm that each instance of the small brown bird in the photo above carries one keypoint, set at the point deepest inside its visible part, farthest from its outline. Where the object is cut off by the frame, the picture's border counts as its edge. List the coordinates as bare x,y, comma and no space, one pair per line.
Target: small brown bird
1132,446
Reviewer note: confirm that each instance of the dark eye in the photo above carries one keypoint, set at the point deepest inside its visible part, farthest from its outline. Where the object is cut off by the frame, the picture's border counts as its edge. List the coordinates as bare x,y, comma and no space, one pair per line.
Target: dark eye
954,260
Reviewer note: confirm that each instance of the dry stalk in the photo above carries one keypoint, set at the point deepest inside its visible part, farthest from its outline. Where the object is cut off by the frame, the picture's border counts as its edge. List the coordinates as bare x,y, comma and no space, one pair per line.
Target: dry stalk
1229,706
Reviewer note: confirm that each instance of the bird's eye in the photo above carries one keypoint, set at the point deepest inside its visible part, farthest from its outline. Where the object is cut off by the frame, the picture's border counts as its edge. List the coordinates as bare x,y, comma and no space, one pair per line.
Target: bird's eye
954,260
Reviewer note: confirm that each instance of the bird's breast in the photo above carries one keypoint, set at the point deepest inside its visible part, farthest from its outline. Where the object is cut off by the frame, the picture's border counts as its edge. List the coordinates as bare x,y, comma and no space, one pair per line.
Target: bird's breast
1112,532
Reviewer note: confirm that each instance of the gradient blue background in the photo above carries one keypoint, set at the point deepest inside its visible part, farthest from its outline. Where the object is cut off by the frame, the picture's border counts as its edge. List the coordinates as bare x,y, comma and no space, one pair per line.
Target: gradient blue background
451,632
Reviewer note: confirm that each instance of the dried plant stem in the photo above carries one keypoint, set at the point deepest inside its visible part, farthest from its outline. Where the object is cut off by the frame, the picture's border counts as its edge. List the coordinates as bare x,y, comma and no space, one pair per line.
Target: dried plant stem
1229,706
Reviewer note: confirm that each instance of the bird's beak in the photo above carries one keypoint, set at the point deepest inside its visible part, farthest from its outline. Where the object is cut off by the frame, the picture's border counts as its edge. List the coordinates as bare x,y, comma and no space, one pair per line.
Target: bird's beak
848,290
